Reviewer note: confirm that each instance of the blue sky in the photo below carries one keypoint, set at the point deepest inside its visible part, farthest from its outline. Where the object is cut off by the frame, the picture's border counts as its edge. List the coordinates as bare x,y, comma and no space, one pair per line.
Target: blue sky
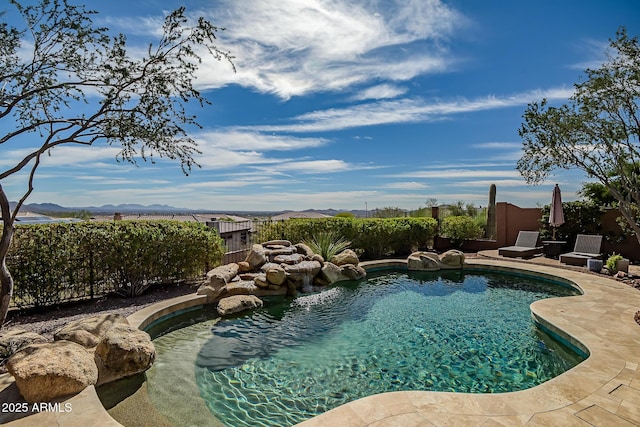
338,104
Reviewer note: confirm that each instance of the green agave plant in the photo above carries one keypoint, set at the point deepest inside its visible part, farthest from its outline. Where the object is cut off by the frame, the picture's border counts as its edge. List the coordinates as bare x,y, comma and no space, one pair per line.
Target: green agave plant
327,244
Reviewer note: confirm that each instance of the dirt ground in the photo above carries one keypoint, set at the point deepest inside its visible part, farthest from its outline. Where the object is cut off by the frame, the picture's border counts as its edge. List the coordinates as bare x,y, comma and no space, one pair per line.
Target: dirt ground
47,321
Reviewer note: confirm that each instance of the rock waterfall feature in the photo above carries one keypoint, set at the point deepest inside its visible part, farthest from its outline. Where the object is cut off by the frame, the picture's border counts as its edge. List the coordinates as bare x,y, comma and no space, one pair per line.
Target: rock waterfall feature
277,268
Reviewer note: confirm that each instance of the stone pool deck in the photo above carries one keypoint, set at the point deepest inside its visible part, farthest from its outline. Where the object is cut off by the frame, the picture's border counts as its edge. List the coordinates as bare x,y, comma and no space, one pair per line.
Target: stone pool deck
604,390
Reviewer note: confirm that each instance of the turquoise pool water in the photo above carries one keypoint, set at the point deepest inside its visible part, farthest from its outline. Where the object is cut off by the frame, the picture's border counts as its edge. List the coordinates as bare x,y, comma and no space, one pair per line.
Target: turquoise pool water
294,359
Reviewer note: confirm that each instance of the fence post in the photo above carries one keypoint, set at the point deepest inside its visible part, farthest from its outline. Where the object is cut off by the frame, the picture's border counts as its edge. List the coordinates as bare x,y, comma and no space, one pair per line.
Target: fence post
91,276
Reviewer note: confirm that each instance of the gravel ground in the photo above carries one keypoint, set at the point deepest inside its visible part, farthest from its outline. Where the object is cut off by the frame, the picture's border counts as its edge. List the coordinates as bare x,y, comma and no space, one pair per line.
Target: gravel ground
48,321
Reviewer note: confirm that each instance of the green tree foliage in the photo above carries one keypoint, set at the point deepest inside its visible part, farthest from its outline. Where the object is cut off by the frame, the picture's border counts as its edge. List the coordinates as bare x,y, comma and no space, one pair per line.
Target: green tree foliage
67,81
580,217
597,131
389,212
597,194
53,263
344,215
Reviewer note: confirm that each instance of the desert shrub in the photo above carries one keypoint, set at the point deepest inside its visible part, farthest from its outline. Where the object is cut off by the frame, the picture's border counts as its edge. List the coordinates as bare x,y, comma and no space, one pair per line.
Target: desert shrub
612,261
460,228
373,238
52,263
327,244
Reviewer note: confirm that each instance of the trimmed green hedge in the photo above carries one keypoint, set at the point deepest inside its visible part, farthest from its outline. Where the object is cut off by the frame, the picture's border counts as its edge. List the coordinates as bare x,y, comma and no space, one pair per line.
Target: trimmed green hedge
374,238
460,228
53,263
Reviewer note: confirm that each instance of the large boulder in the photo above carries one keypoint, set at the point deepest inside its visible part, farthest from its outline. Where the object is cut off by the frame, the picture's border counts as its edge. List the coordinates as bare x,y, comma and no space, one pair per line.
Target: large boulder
304,250
284,243
347,256
261,281
331,273
256,256
122,352
238,303
244,267
304,268
268,266
16,339
289,259
452,259
301,275
240,287
220,276
47,371
211,292
353,272
276,275
274,251
88,331
423,261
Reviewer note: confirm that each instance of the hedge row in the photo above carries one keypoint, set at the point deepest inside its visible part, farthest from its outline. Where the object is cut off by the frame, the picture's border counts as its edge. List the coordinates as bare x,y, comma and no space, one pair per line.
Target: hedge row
53,263
374,238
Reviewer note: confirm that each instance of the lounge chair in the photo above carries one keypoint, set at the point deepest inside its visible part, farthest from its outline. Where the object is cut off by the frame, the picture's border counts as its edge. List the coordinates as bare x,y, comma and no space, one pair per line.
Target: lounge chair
587,246
525,246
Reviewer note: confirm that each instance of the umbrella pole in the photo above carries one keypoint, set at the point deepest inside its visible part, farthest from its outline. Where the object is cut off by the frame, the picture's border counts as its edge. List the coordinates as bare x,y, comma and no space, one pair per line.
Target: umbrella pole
554,233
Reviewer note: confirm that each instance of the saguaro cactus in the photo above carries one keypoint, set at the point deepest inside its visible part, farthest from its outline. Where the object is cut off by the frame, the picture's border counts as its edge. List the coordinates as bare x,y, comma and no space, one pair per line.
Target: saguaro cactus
490,229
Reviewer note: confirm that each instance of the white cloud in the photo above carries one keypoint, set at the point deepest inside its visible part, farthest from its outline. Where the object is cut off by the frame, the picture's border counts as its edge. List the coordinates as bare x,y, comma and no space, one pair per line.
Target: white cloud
498,145
459,173
64,155
218,158
406,111
291,48
314,166
383,91
411,185
239,141
486,183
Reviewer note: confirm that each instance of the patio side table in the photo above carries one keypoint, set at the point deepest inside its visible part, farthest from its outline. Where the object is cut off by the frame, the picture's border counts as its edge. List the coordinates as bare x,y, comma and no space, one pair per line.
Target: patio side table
553,248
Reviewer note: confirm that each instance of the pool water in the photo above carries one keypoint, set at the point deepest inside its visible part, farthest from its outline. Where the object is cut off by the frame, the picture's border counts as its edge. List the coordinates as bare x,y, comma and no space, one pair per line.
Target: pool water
294,359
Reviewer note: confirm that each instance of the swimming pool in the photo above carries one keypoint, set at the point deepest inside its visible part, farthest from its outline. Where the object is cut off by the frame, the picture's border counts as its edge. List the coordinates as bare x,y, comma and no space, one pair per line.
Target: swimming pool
444,331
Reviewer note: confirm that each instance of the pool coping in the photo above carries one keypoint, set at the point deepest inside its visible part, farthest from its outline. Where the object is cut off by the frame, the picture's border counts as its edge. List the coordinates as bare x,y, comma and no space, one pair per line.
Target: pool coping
602,390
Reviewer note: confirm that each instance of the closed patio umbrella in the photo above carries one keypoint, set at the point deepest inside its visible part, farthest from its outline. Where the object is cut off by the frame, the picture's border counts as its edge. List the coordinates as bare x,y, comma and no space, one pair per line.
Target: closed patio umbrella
556,215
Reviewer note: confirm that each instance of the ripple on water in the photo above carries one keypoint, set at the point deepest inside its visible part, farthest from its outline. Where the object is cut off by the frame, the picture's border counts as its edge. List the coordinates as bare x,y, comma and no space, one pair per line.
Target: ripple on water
292,360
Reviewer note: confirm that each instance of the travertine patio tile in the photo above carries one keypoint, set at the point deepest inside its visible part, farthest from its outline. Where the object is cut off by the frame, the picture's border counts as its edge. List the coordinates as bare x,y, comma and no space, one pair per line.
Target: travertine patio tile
403,420
455,420
371,409
395,403
495,405
628,375
598,416
341,416
561,417
433,402
510,421
629,407
602,399
627,393
629,410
